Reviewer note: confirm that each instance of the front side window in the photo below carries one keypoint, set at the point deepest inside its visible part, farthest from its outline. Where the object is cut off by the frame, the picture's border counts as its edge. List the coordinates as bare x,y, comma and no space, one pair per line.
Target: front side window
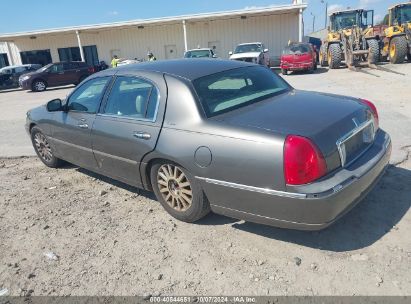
56,68
229,90
87,97
132,97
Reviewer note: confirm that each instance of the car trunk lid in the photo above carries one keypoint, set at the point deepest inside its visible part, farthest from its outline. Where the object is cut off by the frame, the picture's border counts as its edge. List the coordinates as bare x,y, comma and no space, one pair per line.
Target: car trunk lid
323,118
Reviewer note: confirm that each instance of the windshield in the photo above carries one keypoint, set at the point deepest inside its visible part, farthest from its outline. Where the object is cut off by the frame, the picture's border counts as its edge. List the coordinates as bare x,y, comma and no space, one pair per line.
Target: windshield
246,48
296,49
197,54
344,20
233,89
405,14
45,67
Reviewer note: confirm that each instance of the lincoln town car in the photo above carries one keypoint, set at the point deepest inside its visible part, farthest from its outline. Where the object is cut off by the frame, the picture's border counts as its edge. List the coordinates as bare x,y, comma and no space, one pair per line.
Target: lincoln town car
229,137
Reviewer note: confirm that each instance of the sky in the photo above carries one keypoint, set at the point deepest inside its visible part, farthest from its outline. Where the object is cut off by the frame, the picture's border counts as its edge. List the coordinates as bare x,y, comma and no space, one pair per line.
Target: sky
26,15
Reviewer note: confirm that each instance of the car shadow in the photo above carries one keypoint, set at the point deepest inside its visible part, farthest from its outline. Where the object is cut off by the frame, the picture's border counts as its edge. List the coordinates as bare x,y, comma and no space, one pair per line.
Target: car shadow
368,222
211,219
53,89
319,70
113,182
9,90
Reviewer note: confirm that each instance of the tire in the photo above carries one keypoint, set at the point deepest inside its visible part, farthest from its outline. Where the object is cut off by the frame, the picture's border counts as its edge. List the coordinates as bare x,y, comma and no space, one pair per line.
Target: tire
172,186
39,86
398,49
409,56
43,149
334,56
373,51
322,56
284,72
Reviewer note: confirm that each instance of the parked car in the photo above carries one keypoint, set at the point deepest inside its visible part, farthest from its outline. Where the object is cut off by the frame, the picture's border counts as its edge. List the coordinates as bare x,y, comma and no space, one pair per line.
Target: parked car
200,53
9,76
56,74
226,136
127,61
254,52
298,57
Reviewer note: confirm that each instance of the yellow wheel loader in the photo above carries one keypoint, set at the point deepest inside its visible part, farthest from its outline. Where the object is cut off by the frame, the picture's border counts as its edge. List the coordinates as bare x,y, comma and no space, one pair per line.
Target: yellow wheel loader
397,41
351,38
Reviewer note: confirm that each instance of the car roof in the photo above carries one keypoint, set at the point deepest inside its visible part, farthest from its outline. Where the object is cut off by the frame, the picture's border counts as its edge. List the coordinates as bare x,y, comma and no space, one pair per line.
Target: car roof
189,69
199,49
250,43
15,66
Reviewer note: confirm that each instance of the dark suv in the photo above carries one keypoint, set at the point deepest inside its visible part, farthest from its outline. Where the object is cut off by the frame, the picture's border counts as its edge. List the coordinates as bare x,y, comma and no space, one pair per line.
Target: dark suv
56,74
9,76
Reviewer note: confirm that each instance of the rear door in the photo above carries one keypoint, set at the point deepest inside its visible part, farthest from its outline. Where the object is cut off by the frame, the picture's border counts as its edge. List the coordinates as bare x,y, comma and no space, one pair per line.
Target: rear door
70,72
128,126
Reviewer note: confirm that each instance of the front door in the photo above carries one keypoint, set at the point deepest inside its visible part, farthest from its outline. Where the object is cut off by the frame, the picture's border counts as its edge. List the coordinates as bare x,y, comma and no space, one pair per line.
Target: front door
128,127
171,51
72,129
56,75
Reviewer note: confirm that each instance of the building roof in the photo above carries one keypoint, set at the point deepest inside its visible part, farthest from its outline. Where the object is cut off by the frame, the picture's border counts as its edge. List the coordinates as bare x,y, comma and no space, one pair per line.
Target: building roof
279,9
188,68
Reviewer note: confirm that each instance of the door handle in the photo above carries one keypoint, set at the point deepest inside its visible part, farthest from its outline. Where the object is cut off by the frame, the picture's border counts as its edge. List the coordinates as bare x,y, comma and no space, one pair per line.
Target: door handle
83,125
142,135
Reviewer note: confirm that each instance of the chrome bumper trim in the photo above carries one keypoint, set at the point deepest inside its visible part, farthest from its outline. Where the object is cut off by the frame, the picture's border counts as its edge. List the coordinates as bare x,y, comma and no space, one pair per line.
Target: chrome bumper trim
253,189
348,136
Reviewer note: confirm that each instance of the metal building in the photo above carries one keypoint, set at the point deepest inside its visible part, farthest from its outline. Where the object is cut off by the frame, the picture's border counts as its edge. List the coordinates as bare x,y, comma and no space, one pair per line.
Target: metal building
165,37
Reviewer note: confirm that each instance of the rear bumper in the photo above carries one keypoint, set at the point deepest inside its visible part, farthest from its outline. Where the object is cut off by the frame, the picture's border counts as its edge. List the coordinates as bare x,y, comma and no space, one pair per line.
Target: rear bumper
297,66
310,207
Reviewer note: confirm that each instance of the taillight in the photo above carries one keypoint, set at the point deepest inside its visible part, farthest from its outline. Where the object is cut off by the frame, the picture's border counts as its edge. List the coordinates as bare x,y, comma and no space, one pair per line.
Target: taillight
373,109
91,69
303,161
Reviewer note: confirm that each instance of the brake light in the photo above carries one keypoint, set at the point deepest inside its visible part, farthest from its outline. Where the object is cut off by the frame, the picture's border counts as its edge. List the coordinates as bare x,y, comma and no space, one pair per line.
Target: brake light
91,69
303,161
373,109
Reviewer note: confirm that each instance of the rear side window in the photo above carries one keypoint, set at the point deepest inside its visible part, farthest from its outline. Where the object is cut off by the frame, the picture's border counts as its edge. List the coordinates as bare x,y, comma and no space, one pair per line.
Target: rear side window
229,90
132,97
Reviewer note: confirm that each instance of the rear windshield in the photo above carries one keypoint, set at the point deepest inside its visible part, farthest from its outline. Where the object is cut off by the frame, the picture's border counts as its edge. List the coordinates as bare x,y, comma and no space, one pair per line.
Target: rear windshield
296,49
197,54
225,91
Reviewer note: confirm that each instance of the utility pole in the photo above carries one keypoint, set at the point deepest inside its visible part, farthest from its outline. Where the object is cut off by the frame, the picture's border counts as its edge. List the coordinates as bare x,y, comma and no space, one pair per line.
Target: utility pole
326,12
313,22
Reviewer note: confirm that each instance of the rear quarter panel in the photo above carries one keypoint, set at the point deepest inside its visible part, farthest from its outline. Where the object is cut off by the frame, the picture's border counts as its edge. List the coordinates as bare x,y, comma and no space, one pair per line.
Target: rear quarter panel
238,155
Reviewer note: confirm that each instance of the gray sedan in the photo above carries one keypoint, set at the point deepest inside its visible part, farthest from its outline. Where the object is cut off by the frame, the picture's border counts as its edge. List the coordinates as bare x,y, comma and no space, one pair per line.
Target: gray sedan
225,136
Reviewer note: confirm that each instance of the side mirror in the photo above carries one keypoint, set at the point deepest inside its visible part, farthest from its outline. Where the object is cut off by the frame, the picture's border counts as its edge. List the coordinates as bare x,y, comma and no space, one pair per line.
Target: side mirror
55,105
230,53
265,50
214,56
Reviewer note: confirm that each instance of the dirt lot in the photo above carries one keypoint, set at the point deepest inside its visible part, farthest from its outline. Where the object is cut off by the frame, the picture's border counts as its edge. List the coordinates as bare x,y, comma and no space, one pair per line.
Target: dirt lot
111,239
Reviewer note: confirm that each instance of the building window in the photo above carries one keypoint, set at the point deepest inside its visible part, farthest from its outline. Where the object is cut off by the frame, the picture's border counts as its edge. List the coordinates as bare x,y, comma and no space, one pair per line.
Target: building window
42,57
73,54
4,60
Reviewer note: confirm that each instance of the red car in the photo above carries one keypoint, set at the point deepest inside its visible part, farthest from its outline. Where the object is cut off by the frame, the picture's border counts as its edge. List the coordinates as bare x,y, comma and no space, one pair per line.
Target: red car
298,57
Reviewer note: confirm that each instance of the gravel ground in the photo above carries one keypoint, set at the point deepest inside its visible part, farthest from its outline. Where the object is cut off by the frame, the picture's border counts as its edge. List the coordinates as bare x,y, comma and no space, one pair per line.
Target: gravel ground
72,232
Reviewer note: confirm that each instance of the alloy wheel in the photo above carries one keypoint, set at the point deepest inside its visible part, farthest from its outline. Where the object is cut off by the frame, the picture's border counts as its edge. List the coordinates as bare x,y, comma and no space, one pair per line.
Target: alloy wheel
40,86
43,147
174,187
